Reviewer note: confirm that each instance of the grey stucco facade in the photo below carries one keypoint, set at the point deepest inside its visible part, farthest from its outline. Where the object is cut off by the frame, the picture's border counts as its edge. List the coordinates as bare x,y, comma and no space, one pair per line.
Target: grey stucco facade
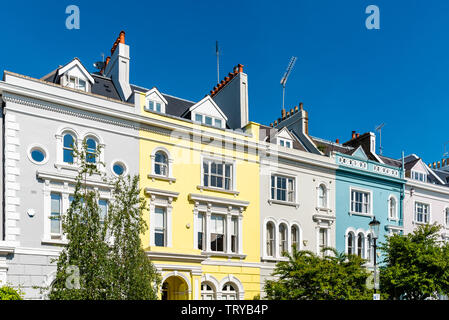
303,214
38,117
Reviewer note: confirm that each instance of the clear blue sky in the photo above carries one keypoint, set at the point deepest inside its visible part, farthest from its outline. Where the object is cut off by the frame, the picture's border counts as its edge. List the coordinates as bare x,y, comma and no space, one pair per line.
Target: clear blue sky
348,77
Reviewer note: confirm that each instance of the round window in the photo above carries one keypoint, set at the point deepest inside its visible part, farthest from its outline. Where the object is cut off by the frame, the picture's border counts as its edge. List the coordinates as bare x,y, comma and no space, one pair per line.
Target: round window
37,154
118,168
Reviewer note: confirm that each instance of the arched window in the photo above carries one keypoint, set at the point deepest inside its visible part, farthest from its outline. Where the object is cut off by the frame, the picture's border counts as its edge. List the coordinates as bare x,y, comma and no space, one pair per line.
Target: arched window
91,155
282,238
161,164
295,237
207,293
350,243
68,143
229,292
361,245
322,196
370,247
270,239
392,210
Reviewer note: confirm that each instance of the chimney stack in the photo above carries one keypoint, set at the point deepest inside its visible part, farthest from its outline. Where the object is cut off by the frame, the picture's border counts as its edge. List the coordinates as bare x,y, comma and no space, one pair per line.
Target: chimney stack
117,67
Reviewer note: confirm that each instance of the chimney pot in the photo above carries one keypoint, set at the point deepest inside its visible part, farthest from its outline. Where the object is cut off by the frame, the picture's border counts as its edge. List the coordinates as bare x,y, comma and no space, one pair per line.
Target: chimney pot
434,165
358,135
337,140
122,36
283,114
288,114
291,112
240,66
438,164
275,122
296,109
300,106
353,134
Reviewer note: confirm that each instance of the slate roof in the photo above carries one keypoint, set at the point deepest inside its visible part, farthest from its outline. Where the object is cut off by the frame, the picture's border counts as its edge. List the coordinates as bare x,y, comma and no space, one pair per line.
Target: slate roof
105,87
390,161
328,146
266,133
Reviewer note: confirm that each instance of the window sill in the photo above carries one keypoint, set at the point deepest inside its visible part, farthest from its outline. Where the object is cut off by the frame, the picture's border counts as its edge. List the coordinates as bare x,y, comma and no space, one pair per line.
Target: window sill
323,209
420,223
285,203
368,215
157,177
274,259
59,242
223,254
74,167
201,188
393,219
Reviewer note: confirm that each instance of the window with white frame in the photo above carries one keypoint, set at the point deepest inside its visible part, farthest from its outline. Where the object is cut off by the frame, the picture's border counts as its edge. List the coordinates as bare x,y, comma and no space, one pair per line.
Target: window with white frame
217,174
392,208
207,293
154,106
208,120
370,247
447,217
282,188
68,147
285,143
229,292
91,152
234,234
350,245
322,241
295,237
419,176
200,220
270,239
361,245
322,196
103,206
360,202
217,235
161,164
422,212
55,215
282,238
160,227
75,83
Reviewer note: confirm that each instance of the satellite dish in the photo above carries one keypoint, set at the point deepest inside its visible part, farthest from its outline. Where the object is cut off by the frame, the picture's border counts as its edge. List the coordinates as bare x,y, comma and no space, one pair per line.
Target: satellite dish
99,65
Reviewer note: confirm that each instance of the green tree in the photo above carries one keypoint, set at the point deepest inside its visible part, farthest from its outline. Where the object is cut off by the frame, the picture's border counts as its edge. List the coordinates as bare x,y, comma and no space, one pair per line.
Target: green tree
9,293
307,276
416,266
103,258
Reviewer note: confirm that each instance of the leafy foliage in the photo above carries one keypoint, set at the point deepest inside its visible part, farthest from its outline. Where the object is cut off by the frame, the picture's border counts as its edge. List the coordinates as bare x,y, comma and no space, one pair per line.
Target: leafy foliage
9,293
416,266
104,257
307,276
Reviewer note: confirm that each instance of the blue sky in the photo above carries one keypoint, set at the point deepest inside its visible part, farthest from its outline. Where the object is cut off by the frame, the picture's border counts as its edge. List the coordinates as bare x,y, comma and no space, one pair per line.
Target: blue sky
348,77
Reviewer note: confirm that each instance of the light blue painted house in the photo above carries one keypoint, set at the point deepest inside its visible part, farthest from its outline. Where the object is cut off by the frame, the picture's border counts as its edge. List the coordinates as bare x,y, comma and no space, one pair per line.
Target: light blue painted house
367,185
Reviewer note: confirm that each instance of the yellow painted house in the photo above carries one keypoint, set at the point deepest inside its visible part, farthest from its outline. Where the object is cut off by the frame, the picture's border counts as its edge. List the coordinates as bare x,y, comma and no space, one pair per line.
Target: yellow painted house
199,172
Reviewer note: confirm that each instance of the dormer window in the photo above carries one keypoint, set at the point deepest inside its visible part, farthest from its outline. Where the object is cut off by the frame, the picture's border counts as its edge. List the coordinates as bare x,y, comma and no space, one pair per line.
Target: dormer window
208,120
75,83
285,143
419,176
154,106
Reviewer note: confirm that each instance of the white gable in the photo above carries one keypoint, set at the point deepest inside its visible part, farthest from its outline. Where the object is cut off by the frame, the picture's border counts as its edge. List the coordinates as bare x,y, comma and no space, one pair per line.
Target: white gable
154,97
284,134
76,69
420,166
207,107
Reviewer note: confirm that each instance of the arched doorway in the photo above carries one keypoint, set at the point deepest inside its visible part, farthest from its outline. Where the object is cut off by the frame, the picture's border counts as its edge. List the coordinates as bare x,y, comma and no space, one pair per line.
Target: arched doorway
175,288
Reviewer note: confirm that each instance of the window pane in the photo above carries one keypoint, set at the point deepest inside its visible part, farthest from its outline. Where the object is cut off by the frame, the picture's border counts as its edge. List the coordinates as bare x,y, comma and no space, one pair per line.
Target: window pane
198,118
159,218
151,105
55,225
208,120
103,204
218,123
158,107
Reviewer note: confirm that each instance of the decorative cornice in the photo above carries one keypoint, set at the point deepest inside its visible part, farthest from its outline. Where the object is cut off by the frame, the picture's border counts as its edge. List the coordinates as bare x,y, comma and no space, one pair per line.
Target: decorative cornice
168,256
160,192
204,198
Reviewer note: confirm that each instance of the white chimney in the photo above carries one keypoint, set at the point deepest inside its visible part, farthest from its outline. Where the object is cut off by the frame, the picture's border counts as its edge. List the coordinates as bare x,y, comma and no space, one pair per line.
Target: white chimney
117,67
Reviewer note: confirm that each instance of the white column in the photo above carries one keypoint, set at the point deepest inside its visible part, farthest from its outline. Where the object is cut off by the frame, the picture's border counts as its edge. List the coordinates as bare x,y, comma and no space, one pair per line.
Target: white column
152,218
169,222
228,233
240,234
207,231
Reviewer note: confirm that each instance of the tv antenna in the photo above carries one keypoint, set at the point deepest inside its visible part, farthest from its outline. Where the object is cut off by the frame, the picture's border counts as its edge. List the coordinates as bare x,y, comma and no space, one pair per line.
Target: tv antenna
99,64
379,129
446,153
285,77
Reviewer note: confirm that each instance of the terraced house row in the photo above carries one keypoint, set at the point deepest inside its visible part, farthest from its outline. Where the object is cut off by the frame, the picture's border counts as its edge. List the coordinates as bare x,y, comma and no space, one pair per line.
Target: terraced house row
226,196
